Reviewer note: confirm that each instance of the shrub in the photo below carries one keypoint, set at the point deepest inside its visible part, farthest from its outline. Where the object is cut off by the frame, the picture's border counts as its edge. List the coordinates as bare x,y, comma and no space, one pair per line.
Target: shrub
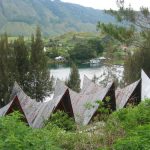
125,121
16,135
63,121
136,139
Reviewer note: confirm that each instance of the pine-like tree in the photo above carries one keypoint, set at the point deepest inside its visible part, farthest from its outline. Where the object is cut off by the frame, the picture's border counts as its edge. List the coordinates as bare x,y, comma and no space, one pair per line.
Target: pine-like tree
7,70
74,79
22,61
40,83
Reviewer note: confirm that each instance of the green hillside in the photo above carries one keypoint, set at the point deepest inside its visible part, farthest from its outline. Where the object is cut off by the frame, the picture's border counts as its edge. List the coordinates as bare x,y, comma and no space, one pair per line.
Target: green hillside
55,17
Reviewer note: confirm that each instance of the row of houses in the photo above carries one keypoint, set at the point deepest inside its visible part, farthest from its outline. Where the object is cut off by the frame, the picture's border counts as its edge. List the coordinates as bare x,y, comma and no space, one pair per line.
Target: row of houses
74,104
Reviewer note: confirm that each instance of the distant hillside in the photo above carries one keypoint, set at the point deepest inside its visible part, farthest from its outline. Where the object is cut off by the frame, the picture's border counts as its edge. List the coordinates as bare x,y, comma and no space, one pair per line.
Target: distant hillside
54,17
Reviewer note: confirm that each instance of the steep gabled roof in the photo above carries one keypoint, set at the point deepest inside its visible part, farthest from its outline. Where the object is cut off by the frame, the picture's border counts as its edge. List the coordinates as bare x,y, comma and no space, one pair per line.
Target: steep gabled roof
61,102
132,91
38,112
12,106
4,109
87,82
60,88
145,85
30,106
90,93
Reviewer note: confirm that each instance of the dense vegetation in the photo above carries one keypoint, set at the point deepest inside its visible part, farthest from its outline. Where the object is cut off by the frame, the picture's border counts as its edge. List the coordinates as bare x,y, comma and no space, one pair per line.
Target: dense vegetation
77,47
83,46
20,17
127,129
26,64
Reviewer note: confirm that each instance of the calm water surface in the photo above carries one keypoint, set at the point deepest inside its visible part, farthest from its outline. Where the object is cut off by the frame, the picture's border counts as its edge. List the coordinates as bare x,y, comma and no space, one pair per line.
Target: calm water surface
62,71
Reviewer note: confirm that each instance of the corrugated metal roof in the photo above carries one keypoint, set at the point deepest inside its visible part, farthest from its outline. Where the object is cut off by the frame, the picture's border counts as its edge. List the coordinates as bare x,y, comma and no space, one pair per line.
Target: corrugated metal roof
90,93
60,88
123,95
145,85
36,113
4,109
11,106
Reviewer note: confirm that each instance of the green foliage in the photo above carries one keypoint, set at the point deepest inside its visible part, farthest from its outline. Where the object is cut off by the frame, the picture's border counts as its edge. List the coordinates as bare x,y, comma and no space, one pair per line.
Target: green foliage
128,128
88,105
137,61
124,124
74,79
82,52
15,135
8,70
77,47
22,61
62,121
120,33
139,138
132,117
103,109
28,68
39,72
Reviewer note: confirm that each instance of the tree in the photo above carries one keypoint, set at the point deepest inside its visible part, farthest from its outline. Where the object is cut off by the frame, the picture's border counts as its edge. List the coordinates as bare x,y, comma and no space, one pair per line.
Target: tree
8,71
74,79
96,45
82,52
40,82
22,61
136,33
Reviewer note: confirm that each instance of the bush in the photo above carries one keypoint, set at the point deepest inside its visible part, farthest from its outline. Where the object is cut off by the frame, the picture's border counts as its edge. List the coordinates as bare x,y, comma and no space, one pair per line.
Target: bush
125,121
136,139
62,121
16,135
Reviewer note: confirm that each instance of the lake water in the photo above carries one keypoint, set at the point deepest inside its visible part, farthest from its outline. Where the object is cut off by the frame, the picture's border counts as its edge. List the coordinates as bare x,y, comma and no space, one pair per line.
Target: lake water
62,71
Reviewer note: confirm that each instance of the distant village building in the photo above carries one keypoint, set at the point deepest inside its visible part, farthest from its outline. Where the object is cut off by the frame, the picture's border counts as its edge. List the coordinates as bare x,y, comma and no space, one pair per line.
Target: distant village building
97,60
45,50
60,58
124,48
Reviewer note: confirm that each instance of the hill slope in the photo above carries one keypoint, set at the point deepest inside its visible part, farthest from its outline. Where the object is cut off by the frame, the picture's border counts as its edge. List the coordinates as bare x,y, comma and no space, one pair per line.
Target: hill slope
55,17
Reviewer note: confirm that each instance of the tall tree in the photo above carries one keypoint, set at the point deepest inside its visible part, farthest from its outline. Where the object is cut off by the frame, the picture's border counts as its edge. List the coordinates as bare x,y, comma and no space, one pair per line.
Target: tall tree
74,79
22,61
39,72
7,69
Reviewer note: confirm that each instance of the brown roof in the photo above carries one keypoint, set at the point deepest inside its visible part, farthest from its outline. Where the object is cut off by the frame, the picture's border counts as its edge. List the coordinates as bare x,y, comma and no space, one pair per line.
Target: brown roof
125,94
37,113
90,93
12,106
60,88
